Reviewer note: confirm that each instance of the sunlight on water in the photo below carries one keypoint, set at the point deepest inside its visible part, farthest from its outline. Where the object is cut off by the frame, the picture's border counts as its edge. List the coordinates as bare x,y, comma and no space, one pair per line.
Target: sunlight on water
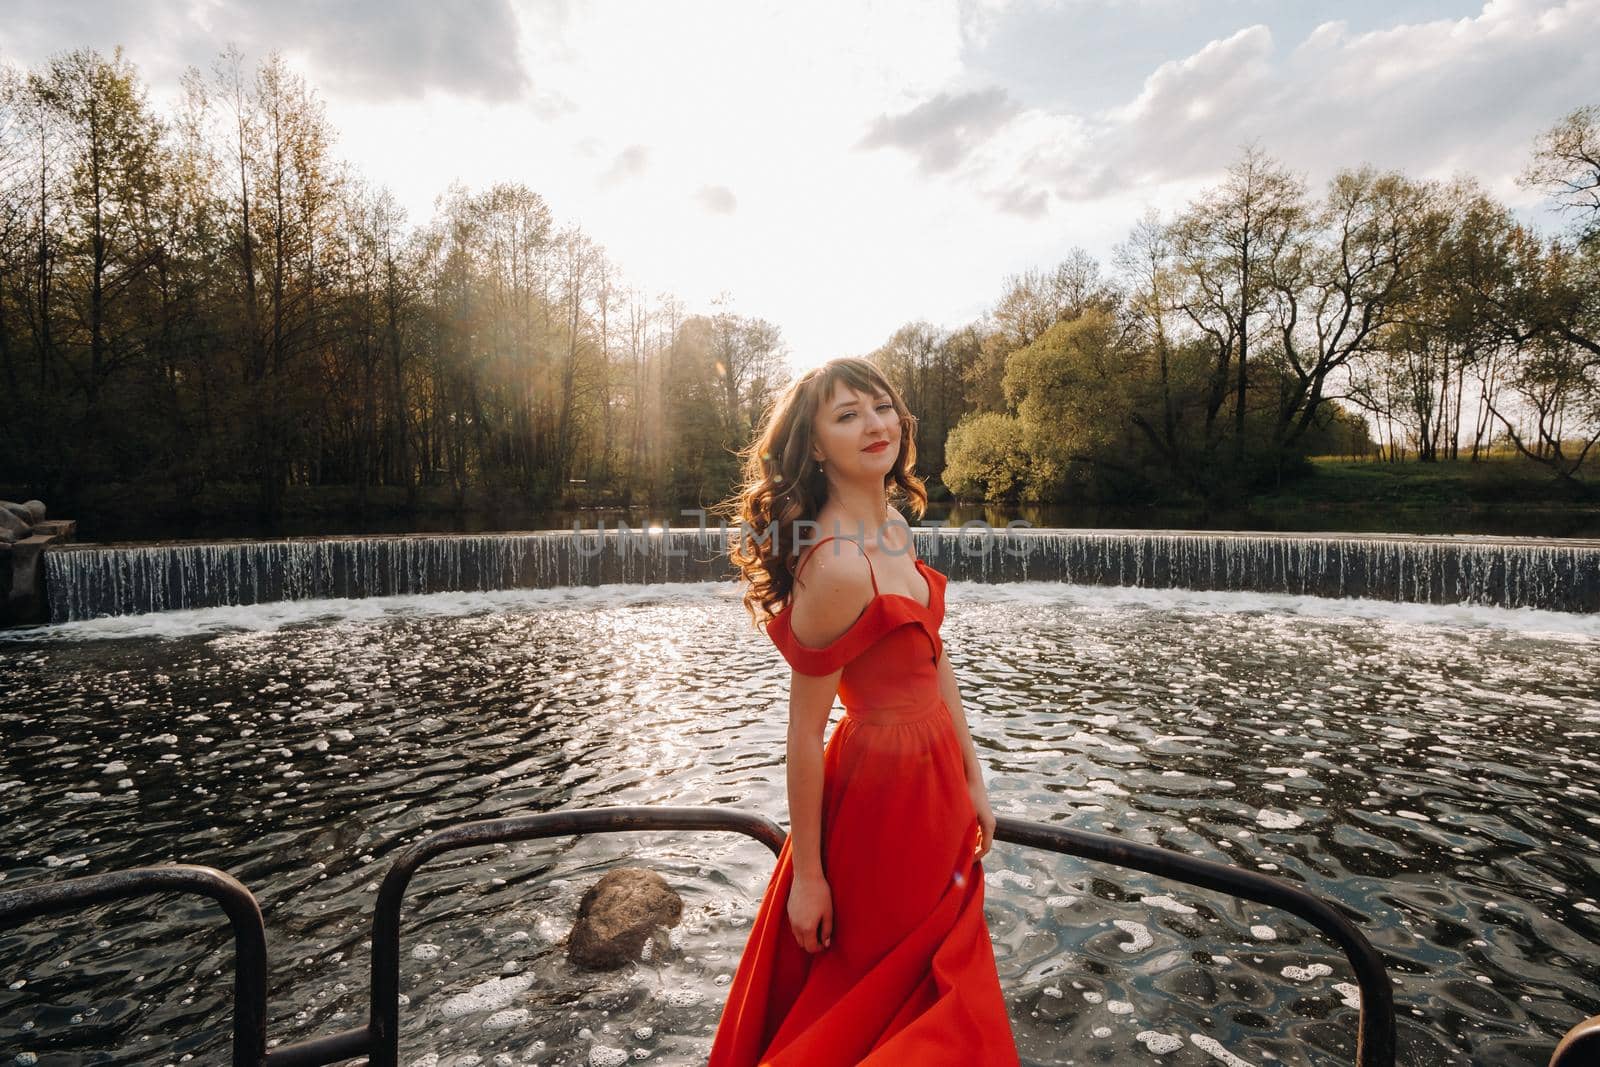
1432,767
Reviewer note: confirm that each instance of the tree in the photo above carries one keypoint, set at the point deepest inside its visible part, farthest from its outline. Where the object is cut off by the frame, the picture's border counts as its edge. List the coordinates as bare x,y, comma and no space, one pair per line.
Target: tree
110,145
1344,283
1235,246
1070,389
1031,303
1566,164
984,460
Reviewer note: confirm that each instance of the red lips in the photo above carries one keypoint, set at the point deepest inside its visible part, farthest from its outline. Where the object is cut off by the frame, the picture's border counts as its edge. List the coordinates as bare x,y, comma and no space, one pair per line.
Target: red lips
879,447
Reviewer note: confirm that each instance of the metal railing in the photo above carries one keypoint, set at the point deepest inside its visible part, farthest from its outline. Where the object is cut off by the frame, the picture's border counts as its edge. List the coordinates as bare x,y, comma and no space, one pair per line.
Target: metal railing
1581,1046
378,1040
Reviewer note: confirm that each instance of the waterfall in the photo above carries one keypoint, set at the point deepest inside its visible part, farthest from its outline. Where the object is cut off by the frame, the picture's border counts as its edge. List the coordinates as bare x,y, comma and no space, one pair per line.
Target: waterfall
1528,573
85,581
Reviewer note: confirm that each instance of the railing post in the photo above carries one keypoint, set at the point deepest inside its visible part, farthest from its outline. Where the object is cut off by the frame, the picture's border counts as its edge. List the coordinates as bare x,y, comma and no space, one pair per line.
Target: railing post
379,1039
1581,1046
244,914
385,1019
1375,1037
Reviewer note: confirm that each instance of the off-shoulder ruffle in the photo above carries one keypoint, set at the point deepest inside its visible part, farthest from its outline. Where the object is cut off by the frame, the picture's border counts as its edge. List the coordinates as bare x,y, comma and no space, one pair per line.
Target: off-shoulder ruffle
885,612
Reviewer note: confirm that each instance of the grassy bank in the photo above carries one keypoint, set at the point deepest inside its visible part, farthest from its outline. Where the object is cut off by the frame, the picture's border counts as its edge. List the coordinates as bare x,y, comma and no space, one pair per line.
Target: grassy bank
1500,494
1499,479
1504,494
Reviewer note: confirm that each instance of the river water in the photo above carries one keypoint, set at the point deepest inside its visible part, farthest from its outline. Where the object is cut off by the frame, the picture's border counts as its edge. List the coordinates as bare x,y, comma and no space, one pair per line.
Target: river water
1433,768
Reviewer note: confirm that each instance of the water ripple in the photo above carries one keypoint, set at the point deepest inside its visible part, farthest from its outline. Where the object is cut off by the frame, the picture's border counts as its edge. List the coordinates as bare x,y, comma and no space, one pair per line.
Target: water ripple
1429,768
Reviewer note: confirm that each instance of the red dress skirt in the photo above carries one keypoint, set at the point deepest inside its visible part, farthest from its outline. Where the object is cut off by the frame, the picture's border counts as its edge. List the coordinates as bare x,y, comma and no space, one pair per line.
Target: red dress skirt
910,975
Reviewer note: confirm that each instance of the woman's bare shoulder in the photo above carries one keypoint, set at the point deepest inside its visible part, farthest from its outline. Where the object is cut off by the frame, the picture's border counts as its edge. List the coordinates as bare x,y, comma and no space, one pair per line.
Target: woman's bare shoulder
835,587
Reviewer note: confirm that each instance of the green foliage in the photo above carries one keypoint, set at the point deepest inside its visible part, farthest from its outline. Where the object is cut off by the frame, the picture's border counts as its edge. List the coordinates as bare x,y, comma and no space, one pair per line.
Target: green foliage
214,299
1070,391
986,459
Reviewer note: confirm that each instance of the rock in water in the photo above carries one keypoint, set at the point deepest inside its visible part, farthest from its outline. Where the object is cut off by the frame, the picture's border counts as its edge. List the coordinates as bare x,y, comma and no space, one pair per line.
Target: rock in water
618,915
35,509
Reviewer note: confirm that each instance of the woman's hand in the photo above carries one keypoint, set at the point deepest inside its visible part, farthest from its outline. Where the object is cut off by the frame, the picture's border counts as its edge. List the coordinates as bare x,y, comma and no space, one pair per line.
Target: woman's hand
980,803
811,912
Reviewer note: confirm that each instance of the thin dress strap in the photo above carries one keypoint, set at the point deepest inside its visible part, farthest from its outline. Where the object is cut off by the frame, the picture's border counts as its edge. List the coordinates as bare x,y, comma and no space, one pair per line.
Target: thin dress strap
831,537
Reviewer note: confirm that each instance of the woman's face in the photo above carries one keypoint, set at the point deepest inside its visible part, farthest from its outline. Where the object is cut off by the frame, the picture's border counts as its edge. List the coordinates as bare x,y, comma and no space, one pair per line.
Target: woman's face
856,435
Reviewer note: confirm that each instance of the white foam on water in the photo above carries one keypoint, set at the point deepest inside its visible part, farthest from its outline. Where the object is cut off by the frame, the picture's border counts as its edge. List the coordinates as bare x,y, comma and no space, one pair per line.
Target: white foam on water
1263,933
1278,820
260,618
1348,609
606,1056
1138,931
507,1019
425,952
1307,974
1349,993
1213,1048
1119,1007
1002,877
1158,1043
491,996
275,616
682,997
1166,903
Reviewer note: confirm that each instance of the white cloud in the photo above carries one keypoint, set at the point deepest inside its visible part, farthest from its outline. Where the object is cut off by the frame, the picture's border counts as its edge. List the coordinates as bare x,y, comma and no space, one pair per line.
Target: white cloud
717,199
373,49
641,121
631,162
943,130
1434,99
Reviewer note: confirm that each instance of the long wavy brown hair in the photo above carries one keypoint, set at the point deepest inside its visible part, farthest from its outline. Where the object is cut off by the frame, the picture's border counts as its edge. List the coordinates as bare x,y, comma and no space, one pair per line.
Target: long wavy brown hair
783,488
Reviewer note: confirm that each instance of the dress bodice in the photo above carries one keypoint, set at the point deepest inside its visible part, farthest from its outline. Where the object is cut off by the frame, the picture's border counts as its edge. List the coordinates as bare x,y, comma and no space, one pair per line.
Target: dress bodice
889,656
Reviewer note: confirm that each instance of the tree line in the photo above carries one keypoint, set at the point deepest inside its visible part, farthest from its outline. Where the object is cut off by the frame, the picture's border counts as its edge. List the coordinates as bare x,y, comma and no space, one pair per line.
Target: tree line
1386,316
210,297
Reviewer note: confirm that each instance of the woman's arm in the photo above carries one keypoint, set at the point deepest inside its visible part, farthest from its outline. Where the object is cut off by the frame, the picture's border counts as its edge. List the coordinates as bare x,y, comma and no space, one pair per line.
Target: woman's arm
810,701
979,792
837,592
810,904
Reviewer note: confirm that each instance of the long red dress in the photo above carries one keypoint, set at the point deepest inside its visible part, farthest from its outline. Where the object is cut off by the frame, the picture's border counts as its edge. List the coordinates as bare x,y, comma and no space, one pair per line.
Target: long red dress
909,978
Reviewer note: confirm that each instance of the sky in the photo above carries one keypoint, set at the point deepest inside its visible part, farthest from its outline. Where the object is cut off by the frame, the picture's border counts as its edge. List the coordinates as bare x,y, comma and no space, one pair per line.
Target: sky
841,169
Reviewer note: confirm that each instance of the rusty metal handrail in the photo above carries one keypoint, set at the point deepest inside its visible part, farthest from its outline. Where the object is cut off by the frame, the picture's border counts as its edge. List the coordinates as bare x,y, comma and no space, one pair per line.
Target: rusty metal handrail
244,915
379,1039
384,1024
1375,1037
1581,1046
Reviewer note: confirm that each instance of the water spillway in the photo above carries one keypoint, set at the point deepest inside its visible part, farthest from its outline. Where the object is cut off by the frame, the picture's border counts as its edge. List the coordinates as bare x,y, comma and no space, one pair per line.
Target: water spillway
89,581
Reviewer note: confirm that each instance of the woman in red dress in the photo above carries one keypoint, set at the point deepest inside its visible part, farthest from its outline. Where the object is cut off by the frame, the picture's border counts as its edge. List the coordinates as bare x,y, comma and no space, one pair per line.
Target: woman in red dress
870,945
